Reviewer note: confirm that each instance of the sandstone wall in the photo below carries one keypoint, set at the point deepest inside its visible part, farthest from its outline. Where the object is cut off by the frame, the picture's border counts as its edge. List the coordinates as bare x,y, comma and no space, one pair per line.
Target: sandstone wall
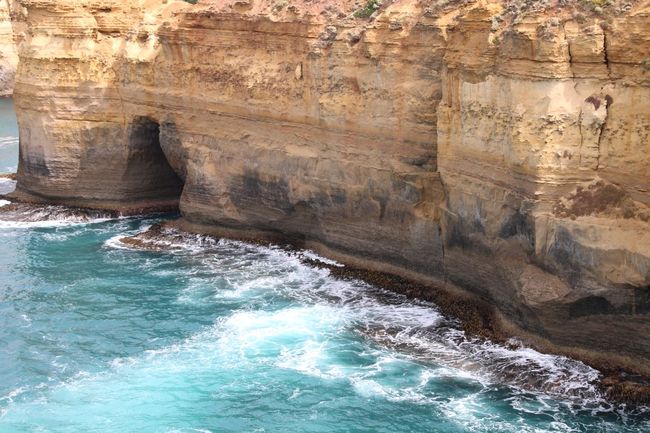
467,143
8,55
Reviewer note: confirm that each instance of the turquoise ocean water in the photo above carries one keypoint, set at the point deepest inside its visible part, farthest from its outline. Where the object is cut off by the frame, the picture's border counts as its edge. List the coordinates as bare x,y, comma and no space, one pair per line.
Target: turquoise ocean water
221,336
8,137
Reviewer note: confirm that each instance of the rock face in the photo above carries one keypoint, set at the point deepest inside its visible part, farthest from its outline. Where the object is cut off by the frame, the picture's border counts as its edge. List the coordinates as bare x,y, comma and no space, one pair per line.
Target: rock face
504,151
8,55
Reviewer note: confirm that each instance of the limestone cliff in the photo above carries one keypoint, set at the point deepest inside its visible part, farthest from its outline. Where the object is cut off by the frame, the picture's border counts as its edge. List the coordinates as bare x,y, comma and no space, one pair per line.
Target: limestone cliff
498,147
8,55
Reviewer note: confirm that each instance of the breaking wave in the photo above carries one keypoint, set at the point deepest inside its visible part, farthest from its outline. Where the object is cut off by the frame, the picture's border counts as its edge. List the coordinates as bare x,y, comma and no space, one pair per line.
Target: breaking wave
290,347
413,328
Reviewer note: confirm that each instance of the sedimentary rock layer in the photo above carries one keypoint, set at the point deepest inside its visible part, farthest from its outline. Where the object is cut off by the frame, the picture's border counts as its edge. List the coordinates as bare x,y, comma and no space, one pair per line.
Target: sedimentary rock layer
8,55
474,144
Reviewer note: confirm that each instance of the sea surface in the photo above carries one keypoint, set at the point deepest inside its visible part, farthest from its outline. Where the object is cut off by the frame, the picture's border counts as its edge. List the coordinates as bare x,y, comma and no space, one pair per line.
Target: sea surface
8,137
220,336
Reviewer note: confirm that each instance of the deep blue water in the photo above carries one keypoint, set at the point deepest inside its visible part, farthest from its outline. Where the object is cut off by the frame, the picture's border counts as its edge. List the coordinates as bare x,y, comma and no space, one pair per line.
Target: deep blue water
211,336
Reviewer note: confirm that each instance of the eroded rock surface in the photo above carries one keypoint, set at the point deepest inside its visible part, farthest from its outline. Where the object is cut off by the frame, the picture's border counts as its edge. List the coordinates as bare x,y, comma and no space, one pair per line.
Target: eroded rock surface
497,147
10,11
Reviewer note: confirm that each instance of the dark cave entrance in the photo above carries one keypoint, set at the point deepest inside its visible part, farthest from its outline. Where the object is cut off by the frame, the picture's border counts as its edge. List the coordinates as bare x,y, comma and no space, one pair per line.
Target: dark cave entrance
149,175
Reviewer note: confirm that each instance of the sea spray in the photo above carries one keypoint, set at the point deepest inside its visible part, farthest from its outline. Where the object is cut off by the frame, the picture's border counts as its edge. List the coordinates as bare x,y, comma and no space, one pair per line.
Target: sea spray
192,333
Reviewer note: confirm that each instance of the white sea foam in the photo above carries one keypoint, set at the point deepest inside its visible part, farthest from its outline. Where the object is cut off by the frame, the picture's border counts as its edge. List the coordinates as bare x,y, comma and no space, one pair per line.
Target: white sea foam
408,347
11,395
27,216
116,242
4,224
415,328
4,202
312,358
171,241
308,254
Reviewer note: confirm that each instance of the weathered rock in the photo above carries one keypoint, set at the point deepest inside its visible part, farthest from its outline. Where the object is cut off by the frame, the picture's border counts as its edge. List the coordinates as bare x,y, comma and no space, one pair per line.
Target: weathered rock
8,55
449,149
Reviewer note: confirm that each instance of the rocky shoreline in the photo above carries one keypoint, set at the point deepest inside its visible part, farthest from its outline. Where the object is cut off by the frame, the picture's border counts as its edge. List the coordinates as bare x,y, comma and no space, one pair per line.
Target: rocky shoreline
111,208
476,317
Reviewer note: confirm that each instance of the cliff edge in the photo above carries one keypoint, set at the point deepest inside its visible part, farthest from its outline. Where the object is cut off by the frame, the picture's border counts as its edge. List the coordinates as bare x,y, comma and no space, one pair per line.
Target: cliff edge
497,148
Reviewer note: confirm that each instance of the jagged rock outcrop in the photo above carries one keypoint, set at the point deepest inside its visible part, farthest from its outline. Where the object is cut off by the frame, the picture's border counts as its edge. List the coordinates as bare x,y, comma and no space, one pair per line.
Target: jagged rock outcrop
497,147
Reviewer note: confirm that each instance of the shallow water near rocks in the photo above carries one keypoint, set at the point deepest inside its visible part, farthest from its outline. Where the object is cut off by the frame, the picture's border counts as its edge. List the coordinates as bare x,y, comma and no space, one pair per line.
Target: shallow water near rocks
8,137
205,335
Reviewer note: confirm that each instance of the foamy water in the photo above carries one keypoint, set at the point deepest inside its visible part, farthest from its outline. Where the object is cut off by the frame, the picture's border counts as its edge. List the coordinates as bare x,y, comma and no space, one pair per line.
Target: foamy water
216,335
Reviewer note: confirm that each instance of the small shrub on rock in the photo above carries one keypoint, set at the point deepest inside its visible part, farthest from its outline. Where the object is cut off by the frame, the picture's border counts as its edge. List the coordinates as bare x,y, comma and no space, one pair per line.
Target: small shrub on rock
369,9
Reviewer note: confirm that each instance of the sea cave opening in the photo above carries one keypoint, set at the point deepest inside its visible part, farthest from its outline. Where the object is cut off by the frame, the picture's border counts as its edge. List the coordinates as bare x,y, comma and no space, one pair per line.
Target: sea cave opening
151,176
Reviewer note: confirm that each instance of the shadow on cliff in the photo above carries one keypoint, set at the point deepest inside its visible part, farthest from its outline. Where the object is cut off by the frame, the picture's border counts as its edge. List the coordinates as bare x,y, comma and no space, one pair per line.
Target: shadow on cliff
147,171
